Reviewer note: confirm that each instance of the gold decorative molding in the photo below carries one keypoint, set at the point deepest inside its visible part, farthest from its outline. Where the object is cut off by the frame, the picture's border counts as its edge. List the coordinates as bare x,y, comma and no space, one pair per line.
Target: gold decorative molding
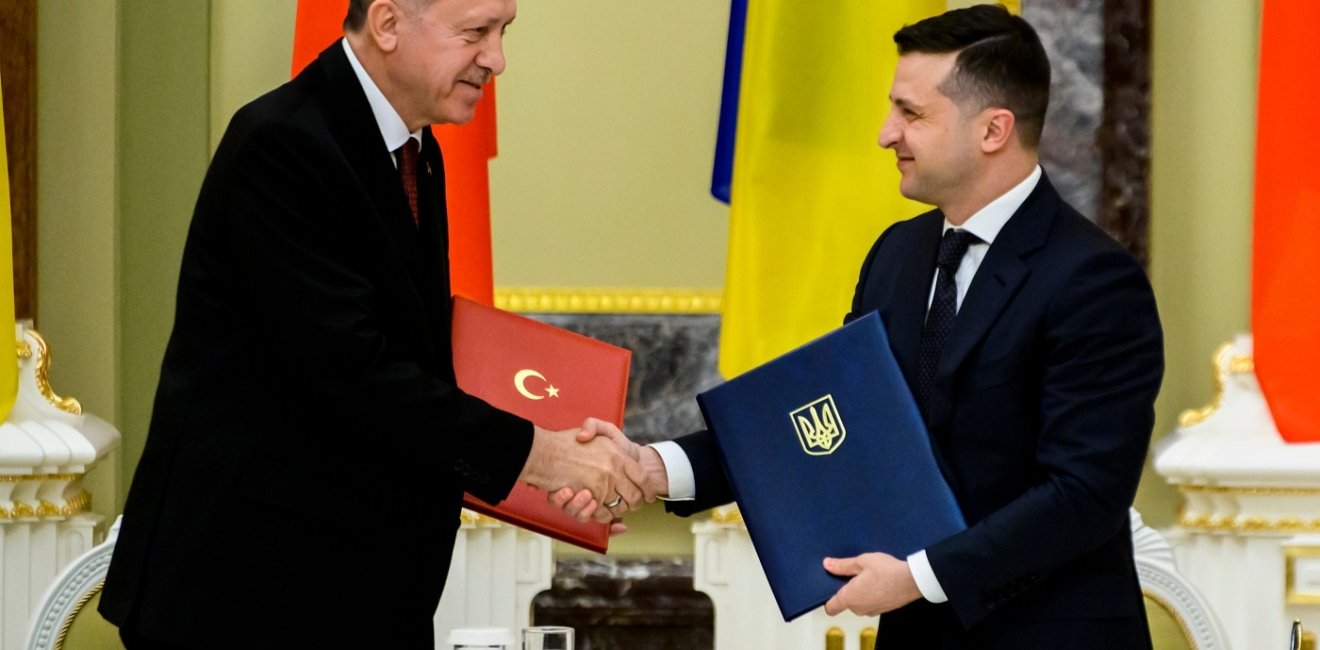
47,510
1223,364
1291,555
1250,491
38,478
477,519
1226,523
23,350
66,404
727,515
609,301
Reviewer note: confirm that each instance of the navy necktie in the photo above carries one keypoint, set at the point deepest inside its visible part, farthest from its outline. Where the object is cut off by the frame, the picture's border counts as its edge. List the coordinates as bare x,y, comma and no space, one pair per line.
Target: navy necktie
943,309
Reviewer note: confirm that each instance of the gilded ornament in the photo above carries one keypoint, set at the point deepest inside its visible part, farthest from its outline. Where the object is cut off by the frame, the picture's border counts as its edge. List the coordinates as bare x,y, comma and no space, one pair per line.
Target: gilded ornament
1223,364
66,404
727,515
610,301
37,478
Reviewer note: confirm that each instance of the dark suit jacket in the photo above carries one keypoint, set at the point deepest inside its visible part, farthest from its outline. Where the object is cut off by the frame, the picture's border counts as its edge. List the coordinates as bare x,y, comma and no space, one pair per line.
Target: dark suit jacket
1040,420
308,451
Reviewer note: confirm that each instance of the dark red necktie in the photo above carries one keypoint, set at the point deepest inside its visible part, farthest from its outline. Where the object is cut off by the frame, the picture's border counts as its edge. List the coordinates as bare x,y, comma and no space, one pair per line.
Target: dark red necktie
408,172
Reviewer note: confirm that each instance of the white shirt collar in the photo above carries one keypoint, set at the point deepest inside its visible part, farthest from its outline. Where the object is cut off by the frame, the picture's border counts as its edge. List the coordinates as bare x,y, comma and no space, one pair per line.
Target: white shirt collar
988,221
392,128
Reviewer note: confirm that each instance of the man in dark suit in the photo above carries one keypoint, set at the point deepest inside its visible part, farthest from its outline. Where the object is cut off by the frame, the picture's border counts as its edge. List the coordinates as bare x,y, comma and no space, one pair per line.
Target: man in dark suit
1033,346
308,451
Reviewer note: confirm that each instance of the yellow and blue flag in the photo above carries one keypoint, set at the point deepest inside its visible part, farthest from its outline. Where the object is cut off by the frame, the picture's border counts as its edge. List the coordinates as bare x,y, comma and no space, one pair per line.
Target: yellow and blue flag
810,188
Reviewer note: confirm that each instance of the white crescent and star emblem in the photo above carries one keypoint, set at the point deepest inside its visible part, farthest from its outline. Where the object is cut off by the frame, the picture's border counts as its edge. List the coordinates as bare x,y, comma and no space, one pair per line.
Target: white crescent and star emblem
520,383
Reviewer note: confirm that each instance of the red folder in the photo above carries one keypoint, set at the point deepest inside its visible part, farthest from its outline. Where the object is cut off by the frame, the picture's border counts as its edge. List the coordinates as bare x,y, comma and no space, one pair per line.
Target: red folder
549,375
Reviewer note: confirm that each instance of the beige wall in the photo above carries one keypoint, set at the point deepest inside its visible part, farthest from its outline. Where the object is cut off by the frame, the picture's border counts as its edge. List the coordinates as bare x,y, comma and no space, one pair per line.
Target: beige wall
77,241
1203,148
251,51
607,118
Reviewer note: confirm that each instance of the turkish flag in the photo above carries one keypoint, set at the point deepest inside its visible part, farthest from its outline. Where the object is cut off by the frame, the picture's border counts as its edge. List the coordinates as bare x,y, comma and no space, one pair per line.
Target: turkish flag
467,149
1285,313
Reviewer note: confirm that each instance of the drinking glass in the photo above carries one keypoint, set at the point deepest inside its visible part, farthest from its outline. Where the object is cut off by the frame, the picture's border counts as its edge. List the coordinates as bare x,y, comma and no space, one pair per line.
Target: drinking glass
547,637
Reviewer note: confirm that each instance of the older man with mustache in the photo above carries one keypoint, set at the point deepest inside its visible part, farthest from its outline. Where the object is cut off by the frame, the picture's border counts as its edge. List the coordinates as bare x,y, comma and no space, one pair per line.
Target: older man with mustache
308,451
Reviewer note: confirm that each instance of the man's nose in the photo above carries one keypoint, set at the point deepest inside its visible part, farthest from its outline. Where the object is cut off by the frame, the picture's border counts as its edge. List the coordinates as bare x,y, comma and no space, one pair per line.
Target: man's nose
890,133
491,57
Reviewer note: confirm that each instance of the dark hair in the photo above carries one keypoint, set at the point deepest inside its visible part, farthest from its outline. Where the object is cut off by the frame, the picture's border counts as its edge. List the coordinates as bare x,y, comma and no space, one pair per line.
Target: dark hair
1000,62
357,14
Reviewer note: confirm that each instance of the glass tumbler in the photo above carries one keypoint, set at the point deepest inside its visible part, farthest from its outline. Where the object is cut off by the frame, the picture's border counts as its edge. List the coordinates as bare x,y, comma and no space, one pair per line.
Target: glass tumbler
547,637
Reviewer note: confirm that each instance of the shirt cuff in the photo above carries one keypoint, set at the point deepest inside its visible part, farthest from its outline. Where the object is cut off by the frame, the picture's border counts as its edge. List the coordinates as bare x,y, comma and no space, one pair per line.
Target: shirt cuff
682,482
929,585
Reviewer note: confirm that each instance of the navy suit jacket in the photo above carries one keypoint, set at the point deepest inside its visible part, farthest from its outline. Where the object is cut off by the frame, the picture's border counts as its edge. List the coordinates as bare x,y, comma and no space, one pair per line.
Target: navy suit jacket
1040,419
308,450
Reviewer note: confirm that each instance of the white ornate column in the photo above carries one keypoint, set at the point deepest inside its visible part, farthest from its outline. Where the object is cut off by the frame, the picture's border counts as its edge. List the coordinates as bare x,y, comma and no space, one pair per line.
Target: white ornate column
1250,526
746,616
496,571
47,445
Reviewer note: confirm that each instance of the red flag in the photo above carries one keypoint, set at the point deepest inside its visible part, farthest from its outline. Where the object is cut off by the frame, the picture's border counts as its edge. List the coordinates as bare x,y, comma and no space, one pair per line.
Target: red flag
467,149
1286,247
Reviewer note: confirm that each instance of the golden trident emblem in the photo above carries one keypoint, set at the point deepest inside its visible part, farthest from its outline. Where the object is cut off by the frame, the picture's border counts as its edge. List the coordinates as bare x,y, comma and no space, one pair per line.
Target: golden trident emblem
819,427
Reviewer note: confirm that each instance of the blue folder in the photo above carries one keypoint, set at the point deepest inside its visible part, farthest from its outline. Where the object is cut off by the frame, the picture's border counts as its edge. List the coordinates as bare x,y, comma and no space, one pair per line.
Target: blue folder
827,456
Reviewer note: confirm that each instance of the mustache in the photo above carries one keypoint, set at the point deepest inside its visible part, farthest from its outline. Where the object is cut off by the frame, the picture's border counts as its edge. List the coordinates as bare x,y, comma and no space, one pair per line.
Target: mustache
477,75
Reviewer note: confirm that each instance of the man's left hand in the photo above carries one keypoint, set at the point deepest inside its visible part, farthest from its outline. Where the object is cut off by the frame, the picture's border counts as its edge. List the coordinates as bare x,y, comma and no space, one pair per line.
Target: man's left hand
880,583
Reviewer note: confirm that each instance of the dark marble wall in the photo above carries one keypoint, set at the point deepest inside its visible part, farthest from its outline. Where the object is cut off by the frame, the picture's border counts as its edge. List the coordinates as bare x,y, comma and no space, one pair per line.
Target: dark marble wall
628,604
1072,32
674,358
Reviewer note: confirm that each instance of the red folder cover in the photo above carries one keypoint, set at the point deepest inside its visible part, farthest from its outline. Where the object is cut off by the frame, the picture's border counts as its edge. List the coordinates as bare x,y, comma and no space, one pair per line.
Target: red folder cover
549,375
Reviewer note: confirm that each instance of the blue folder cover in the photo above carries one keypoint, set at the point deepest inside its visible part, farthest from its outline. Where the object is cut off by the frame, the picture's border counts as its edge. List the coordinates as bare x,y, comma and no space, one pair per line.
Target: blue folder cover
827,456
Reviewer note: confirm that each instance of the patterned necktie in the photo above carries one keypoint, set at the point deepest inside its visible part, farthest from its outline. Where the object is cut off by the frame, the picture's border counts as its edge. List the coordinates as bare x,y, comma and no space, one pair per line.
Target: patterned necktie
943,309
408,172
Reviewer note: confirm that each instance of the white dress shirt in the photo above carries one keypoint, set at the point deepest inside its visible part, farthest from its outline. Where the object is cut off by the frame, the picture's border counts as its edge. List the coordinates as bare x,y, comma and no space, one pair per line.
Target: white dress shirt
985,224
392,128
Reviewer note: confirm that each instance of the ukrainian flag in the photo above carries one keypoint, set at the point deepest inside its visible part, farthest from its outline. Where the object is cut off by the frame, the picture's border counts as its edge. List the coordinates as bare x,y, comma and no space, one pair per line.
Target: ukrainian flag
8,353
810,188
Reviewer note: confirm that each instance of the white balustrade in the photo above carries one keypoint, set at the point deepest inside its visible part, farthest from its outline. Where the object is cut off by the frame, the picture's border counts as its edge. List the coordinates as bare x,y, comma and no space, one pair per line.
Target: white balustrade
1250,525
47,445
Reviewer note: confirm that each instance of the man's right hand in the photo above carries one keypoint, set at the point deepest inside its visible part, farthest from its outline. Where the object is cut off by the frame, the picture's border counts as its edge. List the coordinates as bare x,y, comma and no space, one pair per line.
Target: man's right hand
581,505
598,467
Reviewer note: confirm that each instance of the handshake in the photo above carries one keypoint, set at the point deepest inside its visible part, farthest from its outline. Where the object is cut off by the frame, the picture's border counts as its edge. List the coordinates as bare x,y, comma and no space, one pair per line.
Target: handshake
594,472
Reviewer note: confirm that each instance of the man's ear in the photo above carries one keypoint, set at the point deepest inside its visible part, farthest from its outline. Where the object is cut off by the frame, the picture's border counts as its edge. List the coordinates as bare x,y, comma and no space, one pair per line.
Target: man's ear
382,24
1000,124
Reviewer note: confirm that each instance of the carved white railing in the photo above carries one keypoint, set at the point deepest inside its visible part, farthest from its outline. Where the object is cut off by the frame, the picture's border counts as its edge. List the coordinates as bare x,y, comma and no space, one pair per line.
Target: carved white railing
496,572
726,569
47,445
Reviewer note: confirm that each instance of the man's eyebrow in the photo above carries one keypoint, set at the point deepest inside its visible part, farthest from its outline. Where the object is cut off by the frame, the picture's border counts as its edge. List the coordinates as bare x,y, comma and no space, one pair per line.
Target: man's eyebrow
904,103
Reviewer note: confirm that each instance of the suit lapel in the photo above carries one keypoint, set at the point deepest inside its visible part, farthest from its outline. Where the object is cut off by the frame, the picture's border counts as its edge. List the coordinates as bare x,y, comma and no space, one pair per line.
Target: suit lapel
1000,275
353,126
